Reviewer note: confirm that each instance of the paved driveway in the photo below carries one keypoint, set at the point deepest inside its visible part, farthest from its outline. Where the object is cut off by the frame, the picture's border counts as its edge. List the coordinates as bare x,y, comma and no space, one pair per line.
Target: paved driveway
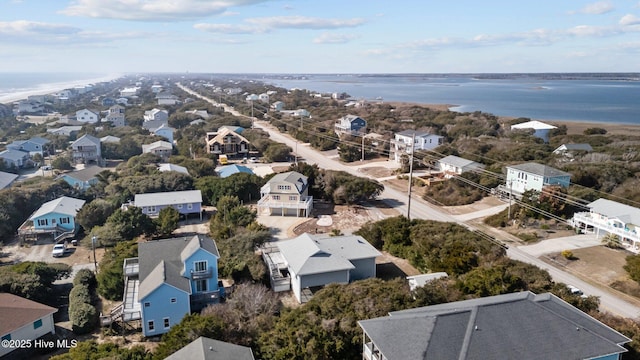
562,243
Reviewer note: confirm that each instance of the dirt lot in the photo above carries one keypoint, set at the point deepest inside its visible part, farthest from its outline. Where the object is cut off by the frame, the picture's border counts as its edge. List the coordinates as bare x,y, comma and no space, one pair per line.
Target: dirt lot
41,251
600,264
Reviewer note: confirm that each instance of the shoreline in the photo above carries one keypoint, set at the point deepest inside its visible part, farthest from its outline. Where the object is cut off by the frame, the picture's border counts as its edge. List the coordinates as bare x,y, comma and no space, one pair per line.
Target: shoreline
51,88
573,126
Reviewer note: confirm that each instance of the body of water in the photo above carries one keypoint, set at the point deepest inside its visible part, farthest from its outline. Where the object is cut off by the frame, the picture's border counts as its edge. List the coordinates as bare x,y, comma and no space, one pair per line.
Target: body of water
13,85
597,98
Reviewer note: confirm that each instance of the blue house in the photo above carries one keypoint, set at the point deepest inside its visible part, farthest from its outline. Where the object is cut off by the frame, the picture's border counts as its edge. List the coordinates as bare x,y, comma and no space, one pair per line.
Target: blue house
82,179
33,146
350,125
59,213
169,279
186,202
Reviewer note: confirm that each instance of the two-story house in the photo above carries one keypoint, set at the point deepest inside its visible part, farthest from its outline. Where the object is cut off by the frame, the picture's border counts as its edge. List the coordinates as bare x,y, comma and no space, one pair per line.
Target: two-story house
86,149
286,194
227,142
115,116
313,261
34,145
169,279
161,148
87,116
611,217
186,202
534,176
350,125
422,140
522,326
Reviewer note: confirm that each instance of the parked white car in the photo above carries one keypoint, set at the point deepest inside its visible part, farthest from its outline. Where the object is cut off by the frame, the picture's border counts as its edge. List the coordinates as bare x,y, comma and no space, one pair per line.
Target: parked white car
58,250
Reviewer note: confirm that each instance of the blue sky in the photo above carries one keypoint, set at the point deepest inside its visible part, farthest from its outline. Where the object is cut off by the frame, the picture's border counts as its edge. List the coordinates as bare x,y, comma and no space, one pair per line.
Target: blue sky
322,36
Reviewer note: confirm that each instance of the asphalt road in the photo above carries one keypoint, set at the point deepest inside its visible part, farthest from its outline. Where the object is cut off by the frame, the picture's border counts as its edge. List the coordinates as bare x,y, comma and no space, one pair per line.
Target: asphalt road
610,300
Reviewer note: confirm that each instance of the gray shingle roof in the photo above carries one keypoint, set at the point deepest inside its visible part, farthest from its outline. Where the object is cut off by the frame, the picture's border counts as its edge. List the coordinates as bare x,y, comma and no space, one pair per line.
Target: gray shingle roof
308,254
168,198
539,169
6,179
62,205
512,326
456,161
13,154
161,261
416,132
85,174
292,177
86,139
204,348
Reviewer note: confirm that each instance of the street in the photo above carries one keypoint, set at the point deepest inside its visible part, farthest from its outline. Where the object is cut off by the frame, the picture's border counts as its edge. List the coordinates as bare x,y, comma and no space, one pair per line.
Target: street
610,300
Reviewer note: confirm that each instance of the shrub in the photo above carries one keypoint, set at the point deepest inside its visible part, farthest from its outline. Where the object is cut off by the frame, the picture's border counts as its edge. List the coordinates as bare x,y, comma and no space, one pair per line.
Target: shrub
84,318
595,131
85,277
80,294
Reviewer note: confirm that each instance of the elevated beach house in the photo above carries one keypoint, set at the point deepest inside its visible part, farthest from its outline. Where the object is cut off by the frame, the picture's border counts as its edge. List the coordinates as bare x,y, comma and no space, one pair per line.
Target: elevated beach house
350,125
23,319
186,202
169,279
534,176
522,326
227,142
611,217
86,149
286,194
309,262
422,140
55,217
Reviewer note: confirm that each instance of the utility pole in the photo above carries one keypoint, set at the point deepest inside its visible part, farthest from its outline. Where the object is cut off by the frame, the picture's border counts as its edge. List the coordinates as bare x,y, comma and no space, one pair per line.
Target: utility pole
362,159
95,261
413,141
510,194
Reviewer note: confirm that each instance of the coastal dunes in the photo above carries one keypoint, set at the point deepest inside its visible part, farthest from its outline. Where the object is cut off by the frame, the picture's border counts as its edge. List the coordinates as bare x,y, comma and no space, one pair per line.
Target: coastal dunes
573,127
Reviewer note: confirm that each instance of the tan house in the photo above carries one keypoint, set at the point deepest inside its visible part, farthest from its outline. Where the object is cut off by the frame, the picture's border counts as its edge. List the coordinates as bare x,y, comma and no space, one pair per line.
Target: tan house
227,142
286,194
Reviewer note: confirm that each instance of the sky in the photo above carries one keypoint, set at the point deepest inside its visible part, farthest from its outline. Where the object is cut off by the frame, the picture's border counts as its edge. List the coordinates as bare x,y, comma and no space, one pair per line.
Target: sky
321,36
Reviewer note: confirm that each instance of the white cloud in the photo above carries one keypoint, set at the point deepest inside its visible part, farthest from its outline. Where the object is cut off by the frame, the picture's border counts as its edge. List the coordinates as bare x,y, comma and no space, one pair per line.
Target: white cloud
597,8
42,33
328,38
303,22
152,10
25,28
629,19
229,29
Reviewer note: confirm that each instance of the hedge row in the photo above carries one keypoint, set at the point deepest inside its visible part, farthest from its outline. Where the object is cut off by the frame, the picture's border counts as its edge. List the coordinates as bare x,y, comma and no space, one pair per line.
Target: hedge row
82,314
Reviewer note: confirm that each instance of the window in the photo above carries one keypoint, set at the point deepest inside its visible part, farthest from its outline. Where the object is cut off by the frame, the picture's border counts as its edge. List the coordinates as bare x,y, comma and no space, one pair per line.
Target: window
179,206
284,187
201,285
189,206
293,198
53,221
200,265
152,209
37,324
166,323
275,197
173,300
151,325
64,220
147,304
43,222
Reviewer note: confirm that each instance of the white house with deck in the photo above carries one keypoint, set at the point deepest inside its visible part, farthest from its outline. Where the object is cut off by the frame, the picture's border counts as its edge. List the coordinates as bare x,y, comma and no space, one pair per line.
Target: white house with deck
534,176
611,217
422,140
286,194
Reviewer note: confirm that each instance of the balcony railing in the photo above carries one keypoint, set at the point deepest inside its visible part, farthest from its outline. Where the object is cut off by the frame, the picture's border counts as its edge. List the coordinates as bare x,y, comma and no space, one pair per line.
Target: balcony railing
201,274
208,297
588,219
304,203
131,267
371,353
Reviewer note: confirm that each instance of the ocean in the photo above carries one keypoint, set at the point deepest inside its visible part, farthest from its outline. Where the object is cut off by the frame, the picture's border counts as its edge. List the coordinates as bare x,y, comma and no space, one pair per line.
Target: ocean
17,85
597,98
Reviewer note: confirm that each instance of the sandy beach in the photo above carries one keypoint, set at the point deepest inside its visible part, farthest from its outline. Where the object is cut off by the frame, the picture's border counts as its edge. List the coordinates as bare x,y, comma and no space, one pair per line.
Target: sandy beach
53,88
573,127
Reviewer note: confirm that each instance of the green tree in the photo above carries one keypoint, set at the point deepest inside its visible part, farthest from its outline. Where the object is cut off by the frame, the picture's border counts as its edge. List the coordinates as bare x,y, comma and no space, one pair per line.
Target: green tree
131,223
110,283
632,267
61,163
167,221
94,213
277,152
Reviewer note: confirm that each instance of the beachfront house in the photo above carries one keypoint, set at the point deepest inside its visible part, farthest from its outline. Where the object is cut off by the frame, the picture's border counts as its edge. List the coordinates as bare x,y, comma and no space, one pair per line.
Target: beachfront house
23,321
30,107
540,129
422,140
452,165
185,202
15,158
611,217
314,261
204,348
350,125
227,142
160,148
86,149
87,116
169,279
534,176
522,326
286,194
